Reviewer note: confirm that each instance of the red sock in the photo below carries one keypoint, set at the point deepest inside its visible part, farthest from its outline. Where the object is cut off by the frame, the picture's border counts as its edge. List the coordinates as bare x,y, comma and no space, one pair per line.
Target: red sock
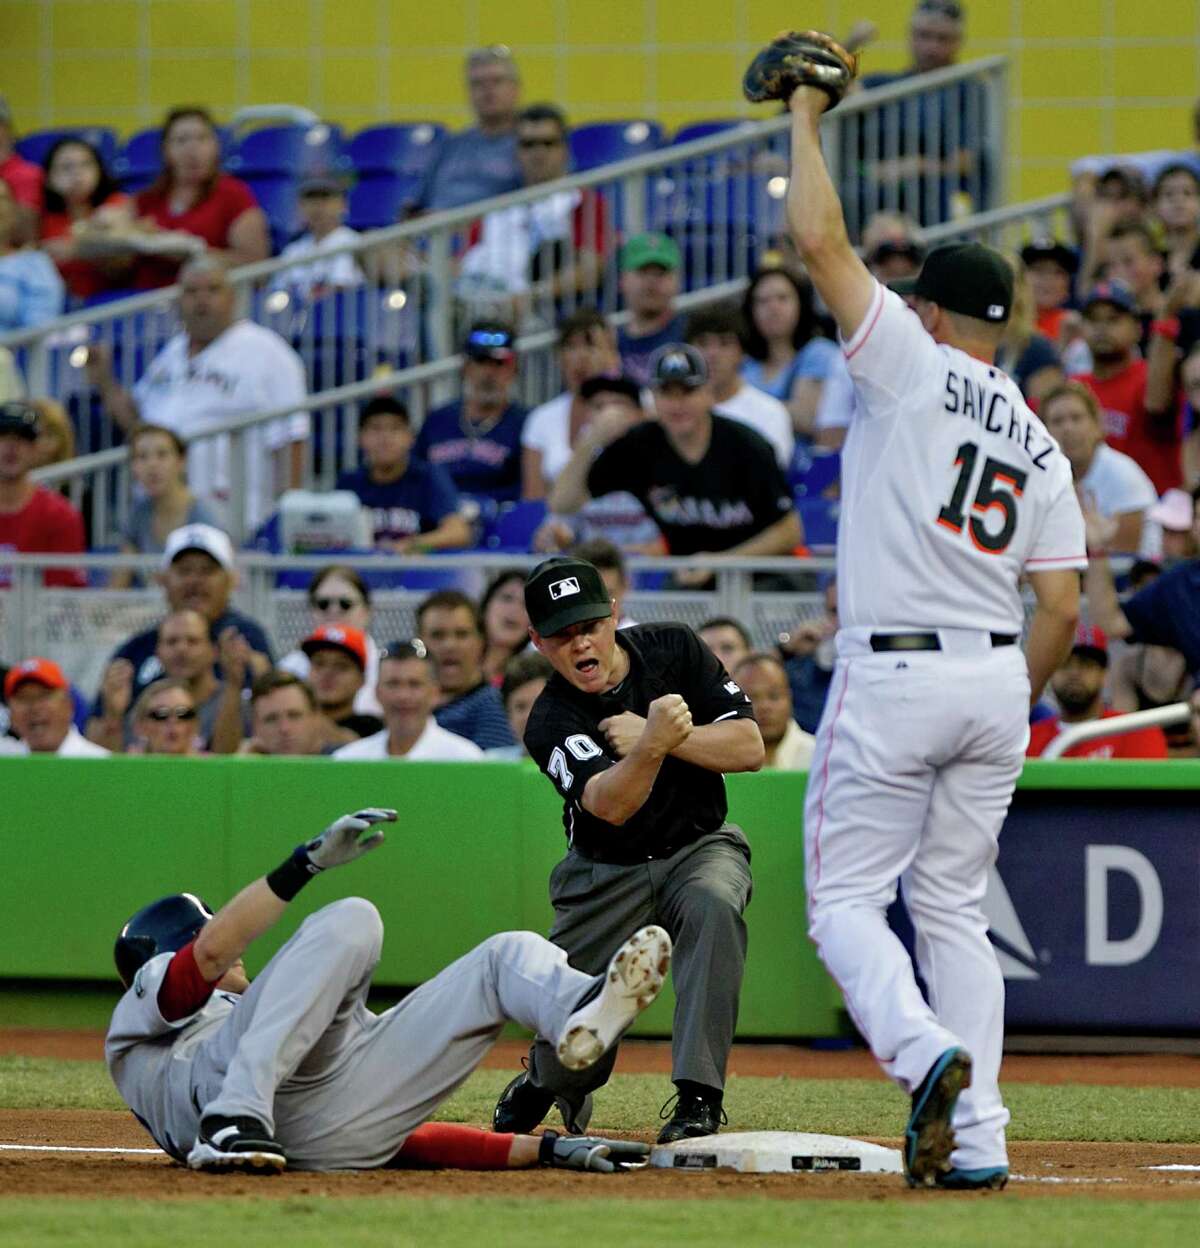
447,1145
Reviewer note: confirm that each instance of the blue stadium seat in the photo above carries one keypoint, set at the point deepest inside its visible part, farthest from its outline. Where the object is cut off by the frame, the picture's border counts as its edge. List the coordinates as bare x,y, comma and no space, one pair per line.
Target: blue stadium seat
603,142
35,146
287,150
398,148
378,198
279,200
823,470
820,519
513,527
139,160
703,129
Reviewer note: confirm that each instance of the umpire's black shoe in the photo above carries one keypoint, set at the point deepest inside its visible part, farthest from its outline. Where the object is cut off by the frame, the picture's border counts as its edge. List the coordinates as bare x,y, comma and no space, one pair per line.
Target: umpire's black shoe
694,1115
522,1105
236,1144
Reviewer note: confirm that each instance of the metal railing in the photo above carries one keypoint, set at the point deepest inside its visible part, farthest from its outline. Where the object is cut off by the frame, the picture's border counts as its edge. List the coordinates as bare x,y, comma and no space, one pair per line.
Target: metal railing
930,146
80,628
1117,726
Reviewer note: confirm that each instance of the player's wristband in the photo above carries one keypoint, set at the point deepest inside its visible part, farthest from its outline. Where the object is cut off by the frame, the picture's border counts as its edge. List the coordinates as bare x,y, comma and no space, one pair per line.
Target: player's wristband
546,1148
292,874
1166,327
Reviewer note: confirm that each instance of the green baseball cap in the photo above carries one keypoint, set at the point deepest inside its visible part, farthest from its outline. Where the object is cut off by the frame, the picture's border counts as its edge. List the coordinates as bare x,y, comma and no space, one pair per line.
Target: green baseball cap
644,249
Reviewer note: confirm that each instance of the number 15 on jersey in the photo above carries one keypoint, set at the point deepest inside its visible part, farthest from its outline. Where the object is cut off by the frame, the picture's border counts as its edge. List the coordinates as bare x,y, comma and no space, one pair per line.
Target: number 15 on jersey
999,488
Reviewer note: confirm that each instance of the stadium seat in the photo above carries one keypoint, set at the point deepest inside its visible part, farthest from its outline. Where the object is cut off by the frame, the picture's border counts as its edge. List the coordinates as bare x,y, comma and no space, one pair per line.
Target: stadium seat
35,146
603,142
514,525
703,129
820,519
378,198
139,159
399,149
291,151
278,198
822,471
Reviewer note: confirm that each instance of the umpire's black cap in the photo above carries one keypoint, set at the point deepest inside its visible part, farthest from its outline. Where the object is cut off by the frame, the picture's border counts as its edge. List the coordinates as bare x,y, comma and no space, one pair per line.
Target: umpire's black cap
967,278
562,591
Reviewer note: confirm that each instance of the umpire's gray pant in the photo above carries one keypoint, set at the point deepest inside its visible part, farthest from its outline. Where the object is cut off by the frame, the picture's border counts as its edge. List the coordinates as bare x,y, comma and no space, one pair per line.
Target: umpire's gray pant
698,895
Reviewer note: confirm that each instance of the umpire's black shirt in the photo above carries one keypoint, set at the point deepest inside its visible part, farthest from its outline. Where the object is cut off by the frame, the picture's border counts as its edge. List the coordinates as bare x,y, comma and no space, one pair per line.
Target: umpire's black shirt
564,737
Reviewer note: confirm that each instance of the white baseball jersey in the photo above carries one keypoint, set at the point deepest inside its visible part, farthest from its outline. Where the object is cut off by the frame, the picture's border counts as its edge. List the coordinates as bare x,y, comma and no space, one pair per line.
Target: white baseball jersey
951,486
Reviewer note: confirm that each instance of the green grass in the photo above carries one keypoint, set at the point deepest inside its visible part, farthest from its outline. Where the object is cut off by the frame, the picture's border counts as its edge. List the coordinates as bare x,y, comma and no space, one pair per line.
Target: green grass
936,1222
631,1103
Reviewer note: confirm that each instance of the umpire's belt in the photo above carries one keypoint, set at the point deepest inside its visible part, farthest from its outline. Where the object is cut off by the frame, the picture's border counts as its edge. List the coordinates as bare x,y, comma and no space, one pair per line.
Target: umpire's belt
926,641
629,855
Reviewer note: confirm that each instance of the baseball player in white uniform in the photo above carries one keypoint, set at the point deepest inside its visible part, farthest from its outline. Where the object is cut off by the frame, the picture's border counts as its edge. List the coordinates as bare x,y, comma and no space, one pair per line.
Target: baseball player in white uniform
952,490
293,1069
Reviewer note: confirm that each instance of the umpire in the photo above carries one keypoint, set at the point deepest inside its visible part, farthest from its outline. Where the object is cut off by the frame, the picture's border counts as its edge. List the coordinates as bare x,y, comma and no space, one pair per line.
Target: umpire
635,729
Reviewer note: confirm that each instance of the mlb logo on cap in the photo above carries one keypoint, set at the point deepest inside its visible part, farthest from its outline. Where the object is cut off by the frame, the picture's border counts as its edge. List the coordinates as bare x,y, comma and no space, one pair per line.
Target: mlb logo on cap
560,589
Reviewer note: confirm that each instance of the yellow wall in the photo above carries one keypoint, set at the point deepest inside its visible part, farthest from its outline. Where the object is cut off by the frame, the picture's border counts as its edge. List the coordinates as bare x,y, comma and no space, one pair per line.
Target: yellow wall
1088,75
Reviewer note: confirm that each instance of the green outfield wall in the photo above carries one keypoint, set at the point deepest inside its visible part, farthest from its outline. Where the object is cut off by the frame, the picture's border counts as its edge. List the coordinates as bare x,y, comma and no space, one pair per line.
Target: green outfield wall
87,842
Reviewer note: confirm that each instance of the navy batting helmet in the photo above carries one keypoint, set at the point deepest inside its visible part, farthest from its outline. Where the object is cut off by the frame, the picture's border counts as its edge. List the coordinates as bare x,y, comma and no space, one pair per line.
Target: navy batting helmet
163,926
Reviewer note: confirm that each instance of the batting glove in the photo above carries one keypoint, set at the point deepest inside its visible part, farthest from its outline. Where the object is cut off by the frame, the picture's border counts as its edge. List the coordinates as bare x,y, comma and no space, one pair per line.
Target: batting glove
590,1152
343,841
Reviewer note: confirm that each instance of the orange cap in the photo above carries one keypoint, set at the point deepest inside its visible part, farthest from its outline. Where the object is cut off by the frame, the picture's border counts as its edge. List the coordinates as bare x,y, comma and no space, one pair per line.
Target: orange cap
338,637
43,672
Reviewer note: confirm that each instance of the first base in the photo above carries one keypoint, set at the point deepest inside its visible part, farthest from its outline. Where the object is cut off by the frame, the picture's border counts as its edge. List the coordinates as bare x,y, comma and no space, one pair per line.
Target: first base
777,1152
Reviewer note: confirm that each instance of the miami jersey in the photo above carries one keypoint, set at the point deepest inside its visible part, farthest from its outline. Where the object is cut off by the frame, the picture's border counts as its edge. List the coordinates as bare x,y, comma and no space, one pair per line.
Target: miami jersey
951,486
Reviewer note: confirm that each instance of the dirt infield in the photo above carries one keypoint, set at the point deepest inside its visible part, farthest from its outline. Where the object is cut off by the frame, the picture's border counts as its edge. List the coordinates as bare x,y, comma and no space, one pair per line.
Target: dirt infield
1043,1169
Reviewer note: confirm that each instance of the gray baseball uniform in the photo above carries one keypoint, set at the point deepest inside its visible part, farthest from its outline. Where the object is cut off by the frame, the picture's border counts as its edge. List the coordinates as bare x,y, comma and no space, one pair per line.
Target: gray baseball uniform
339,1086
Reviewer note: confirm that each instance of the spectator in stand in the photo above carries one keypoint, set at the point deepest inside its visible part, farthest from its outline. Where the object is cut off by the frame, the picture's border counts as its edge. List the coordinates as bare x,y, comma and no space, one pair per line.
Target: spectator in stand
1144,676
618,518
1078,687
414,505
1101,204
712,485
31,291
337,655
1109,483
505,623
197,574
727,639
1166,612
407,692
718,333
789,359
218,368
322,206
338,596
33,519
1189,380
81,209
158,464
1176,514
607,559
1118,380
1137,262
1051,267
480,162
529,256
55,442
1176,204
650,265
809,653
764,681
477,438
194,205
165,720
22,177
449,625
587,347
891,247
285,719
1027,356
39,702
524,679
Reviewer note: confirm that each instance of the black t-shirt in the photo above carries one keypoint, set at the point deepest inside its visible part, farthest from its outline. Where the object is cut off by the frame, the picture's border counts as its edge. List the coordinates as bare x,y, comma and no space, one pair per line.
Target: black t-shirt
564,739
734,492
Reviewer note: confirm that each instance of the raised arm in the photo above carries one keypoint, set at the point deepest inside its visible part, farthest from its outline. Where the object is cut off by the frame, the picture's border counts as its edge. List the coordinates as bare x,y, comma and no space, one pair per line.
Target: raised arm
259,906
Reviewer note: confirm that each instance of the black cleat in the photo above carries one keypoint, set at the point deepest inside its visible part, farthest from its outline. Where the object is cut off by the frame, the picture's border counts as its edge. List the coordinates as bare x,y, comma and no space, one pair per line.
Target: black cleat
694,1116
242,1144
523,1105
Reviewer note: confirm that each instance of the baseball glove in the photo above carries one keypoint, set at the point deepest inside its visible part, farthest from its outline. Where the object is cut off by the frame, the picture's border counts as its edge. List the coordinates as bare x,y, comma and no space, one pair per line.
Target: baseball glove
591,1152
800,58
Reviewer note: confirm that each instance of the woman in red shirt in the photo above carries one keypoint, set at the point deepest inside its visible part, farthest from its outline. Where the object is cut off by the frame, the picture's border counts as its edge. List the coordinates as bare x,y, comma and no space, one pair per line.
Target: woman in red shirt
193,196
80,199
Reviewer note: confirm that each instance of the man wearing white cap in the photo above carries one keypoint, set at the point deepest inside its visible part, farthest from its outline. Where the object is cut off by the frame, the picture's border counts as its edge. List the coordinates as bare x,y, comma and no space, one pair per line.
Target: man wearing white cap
197,575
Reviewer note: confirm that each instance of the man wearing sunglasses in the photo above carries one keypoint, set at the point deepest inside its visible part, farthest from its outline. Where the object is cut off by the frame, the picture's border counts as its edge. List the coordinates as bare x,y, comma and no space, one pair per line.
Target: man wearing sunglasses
477,438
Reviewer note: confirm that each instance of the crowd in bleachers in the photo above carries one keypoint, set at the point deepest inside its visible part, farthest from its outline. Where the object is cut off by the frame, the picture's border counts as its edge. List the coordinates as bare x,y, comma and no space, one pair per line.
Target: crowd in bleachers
700,436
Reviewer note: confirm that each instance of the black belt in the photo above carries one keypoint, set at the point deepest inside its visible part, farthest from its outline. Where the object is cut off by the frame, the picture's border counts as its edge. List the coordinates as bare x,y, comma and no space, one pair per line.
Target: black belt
629,856
926,641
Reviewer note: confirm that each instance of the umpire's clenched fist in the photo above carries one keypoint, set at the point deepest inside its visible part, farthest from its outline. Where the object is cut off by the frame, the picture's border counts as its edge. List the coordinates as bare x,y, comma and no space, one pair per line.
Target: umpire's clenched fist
668,723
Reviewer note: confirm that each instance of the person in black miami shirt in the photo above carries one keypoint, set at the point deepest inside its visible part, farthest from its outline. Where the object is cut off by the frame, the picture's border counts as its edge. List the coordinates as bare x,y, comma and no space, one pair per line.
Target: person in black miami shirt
711,484
635,729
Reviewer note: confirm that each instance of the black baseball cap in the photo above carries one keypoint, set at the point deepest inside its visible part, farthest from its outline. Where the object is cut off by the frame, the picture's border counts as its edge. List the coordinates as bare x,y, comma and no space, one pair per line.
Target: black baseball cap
678,364
1051,249
563,591
19,417
967,278
604,384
